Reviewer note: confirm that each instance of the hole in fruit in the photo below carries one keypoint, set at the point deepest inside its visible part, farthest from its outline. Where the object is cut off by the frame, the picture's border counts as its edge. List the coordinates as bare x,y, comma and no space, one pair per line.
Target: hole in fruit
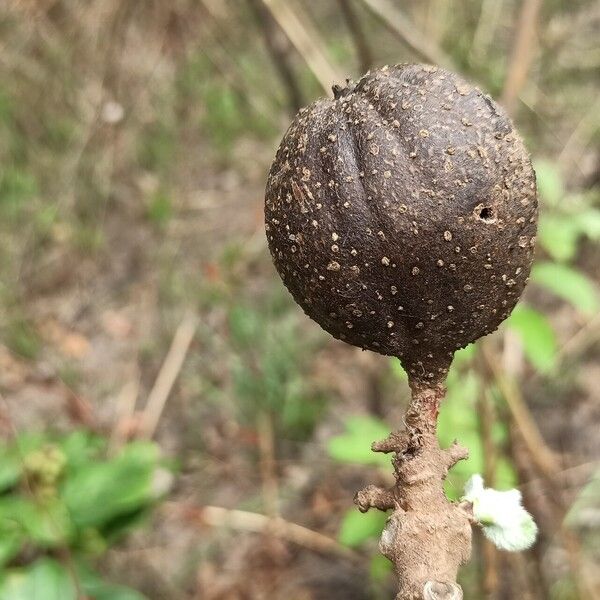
486,214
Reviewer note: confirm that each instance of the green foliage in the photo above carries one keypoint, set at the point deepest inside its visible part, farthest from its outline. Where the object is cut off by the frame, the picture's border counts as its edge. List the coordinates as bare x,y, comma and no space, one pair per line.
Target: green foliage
537,336
227,113
380,568
460,419
357,528
17,187
354,445
560,233
130,473
46,579
160,208
398,370
270,370
21,337
567,283
63,494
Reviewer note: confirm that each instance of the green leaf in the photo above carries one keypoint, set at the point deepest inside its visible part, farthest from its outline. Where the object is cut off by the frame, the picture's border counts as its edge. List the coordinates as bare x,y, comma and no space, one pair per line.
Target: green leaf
459,420
549,182
98,492
245,327
80,447
46,579
160,208
537,336
10,468
12,539
380,568
568,284
46,523
559,236
354,446
588,222
357,527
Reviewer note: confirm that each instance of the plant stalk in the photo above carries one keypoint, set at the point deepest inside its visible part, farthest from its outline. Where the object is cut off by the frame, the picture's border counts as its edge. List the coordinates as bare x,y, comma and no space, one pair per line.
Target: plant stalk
427,537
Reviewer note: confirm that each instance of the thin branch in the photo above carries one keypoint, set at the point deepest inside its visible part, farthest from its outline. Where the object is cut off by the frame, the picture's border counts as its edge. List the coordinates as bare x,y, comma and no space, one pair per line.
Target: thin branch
268,472
581,340
543,457
363,50
168,374
278,46
557,509
307,41
241,520
522,54
407,33
217,48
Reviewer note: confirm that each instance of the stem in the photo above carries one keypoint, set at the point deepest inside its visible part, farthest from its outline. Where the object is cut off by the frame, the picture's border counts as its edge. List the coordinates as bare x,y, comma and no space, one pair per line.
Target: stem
427,537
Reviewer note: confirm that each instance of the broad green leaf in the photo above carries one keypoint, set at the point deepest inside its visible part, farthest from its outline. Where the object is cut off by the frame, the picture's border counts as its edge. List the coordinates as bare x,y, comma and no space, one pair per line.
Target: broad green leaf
10,468
567,283
357,527
537,336
559,236
46,523
80,447
549,182
98,492
354,446
11,458
46,579
588,221
12,538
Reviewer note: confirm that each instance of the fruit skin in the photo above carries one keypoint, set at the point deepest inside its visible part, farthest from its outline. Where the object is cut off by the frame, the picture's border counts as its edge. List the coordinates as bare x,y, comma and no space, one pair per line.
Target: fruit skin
401,215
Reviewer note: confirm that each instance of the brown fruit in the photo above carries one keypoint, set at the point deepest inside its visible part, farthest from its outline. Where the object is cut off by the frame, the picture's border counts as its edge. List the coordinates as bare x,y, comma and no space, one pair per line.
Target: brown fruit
401,215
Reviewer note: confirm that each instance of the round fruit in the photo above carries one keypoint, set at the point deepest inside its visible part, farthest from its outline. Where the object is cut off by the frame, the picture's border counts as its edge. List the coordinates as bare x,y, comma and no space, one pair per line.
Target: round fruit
401,215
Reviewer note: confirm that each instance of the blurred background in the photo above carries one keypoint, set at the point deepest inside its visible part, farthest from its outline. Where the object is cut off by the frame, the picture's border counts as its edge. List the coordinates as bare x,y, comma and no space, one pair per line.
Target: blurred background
172,425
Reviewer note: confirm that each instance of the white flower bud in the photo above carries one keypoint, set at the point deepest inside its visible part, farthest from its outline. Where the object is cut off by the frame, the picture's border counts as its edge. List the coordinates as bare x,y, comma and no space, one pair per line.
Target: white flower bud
504,520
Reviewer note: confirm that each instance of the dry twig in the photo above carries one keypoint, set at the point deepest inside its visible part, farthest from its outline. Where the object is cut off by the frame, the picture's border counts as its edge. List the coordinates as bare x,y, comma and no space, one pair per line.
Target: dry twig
266,444
241,520
278,46
406,32
522,54
363,50
307,42
168,373
543,457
